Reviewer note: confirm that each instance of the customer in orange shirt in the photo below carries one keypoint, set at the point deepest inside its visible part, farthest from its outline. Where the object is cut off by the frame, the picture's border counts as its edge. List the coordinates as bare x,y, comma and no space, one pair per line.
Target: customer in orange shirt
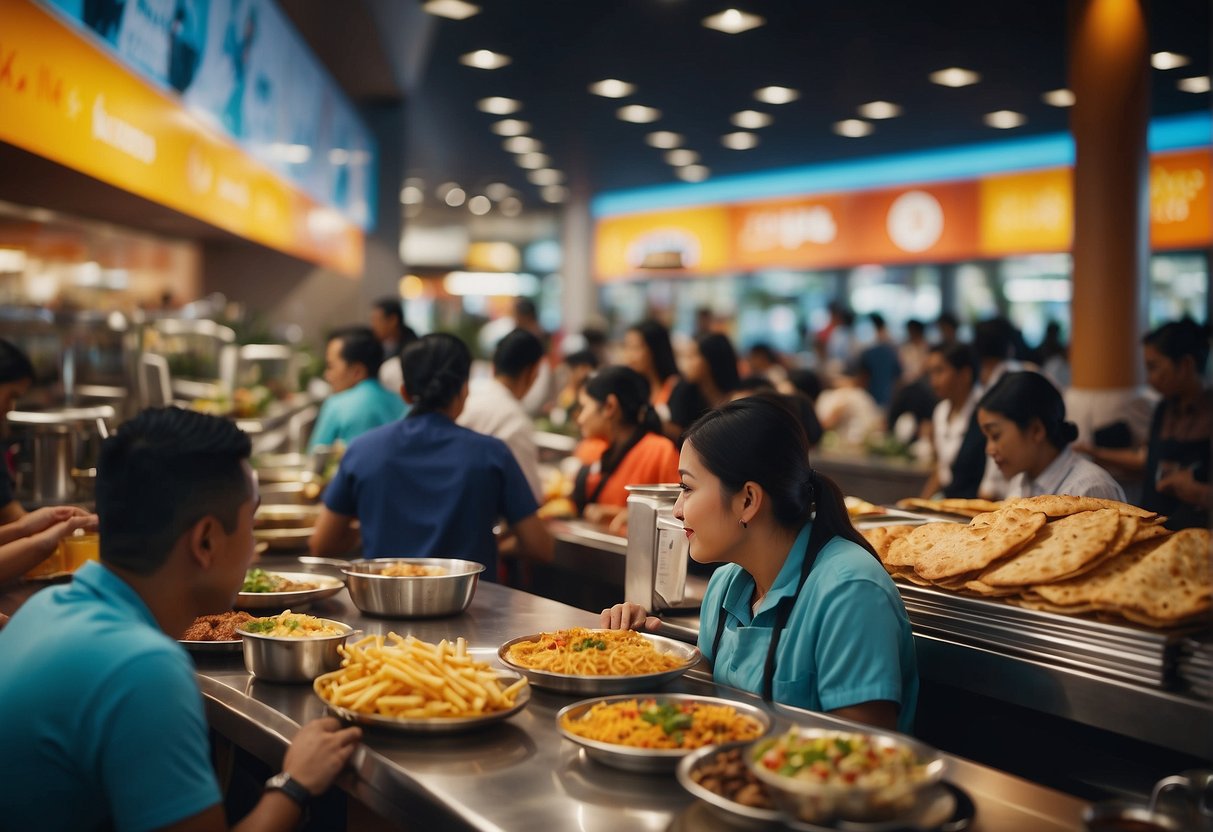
615,408
647,350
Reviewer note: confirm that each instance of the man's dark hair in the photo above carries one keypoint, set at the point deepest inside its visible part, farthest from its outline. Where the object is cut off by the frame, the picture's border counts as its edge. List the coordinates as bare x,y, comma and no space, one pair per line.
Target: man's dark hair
14,364
915,327
161,473
1179,339
525,308
877,321
994,339
390,307
582,358
360,346
516,353
764,350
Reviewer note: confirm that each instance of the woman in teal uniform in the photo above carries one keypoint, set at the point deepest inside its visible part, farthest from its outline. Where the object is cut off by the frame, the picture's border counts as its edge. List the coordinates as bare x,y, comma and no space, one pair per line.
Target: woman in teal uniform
802,613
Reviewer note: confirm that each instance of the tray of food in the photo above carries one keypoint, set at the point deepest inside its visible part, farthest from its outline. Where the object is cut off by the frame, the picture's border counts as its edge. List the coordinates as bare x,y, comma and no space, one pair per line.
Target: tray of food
215,633
405,684
654,733
592,661
264,590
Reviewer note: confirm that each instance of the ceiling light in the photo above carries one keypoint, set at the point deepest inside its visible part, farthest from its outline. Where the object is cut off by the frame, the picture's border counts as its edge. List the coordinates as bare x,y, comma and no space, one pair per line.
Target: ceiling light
554,193
511,206
776,95
740,140
1059,98
454,197
853,128
522,144
511,127
954,77
663,139
681,158
292,154
480,205
545,176
411,195
1004,119
693,173
638,114
498,191
612,88
1198,84
484,59
879,110
446,187
1169,60
533,161
733,21
499,106
450,9
339,157
750,119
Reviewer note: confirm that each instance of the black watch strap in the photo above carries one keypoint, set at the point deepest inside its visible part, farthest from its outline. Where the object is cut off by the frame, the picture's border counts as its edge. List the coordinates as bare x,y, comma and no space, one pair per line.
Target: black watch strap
291,787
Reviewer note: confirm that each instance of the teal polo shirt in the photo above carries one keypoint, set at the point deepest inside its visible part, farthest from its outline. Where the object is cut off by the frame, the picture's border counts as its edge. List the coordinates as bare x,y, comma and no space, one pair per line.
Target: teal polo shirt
103,723
847,641
351,413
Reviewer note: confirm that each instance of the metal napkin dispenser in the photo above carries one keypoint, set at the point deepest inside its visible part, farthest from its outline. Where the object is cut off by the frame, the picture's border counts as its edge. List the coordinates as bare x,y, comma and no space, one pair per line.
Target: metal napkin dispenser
656,573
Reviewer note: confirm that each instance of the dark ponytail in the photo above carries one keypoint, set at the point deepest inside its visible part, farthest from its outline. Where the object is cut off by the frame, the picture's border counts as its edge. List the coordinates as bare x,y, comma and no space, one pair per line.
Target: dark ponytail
631,390
760,439
435,369
1024,397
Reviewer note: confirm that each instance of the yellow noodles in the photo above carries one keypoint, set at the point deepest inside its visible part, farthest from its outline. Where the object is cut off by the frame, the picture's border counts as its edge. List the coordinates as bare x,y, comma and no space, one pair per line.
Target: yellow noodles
672,725
582,652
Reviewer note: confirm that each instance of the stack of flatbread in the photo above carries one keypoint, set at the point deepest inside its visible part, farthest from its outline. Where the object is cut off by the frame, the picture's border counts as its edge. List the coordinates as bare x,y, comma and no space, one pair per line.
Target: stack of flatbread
1062,554
950,505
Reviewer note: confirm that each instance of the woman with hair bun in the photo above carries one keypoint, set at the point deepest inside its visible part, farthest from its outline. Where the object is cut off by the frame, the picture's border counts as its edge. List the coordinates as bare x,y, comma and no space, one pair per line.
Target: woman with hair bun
1023,419
615,409
802,613
425,487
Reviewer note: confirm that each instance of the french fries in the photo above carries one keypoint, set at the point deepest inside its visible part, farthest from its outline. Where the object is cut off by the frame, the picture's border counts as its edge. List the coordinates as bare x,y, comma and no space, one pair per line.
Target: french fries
406,678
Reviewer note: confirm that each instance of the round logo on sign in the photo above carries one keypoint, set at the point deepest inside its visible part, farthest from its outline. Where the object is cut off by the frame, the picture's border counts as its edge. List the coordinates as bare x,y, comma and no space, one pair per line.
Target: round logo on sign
915,221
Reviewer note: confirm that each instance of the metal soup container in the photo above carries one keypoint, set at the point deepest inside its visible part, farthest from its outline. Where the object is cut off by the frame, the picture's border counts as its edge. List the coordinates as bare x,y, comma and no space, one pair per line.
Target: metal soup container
296,660
422,596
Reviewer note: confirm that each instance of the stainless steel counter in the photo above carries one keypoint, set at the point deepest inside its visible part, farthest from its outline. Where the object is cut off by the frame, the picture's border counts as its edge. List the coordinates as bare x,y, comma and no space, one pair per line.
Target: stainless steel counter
521,774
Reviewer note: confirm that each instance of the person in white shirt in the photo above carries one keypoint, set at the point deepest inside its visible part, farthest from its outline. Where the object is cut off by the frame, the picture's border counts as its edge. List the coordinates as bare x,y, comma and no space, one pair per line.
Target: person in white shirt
494,405
1023,418
951,371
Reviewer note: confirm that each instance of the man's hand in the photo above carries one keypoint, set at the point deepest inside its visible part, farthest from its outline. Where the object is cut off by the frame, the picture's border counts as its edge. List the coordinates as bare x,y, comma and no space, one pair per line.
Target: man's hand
319,752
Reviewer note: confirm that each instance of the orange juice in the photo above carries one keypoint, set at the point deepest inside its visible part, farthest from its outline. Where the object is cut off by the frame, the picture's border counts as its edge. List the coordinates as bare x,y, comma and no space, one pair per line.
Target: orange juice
79,548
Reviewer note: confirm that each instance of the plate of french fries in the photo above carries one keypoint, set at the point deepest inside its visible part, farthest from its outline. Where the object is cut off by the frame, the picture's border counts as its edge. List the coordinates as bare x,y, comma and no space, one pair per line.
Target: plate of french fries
407,684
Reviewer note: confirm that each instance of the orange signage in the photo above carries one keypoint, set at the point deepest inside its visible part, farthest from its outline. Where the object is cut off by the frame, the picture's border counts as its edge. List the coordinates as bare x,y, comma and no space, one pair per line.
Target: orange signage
1180,200
927,223
64,98
701,237
1027,212
806,233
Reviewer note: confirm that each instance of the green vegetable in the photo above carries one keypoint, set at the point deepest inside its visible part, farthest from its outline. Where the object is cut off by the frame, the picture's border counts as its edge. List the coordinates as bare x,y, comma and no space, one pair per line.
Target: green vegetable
261,625
669,717
587,643
258,580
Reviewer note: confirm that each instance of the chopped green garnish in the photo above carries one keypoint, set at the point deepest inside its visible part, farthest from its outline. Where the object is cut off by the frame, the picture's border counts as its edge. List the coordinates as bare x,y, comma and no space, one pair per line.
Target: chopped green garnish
589,643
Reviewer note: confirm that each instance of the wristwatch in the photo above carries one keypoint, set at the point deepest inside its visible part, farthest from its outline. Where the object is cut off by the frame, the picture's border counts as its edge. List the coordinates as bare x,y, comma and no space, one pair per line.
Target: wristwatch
291,787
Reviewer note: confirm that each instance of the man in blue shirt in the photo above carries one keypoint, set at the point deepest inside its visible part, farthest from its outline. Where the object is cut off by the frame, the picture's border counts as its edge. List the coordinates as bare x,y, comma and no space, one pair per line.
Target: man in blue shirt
105,723
359,403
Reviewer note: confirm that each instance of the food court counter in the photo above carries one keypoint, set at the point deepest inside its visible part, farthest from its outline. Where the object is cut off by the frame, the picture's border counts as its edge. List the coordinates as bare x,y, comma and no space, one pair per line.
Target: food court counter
521,774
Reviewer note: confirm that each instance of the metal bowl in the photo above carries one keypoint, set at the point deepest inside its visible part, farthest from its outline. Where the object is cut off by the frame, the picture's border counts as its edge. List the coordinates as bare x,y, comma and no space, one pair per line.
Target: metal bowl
286,517
296,660
604,685
815,803
733,813
424,596
645,759
326,587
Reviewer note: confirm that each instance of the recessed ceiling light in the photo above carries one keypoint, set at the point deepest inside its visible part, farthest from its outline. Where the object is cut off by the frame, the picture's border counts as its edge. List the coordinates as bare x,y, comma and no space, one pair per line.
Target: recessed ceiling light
522,144
1059,98
533,161
879,110
750,119
554,193
663,139
480,205
776,95
545,176
498,191
1169,60
499,106
853,128
511,206
740,140
612,88
733,21
638,114
1198,84
451,9
484,59
411,195
1004,119
680,158
511,127
954,77
454,197
693,173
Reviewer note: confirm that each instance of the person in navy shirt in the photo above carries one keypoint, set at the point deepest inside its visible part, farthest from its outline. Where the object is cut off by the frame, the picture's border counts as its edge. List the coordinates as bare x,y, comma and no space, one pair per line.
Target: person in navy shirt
426,487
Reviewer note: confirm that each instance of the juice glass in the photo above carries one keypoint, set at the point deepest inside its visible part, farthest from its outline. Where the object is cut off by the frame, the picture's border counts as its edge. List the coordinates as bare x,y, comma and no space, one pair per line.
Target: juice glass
79,548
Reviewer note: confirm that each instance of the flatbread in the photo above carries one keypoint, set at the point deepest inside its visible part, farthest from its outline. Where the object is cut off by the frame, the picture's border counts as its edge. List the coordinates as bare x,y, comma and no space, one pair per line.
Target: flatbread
985,590
944,550
1149,529
951,505
858,507
882,537
1173,582
1045,606
1125,534
1062,547
1063,505
1084,590
1200,618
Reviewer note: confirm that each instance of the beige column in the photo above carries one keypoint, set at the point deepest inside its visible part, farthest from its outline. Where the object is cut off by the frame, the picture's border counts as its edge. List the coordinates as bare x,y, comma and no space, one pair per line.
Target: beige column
1109,71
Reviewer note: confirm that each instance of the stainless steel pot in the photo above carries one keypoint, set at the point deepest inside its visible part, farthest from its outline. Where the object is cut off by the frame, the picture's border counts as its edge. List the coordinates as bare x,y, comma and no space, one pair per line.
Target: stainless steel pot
61,443
426,596
293,660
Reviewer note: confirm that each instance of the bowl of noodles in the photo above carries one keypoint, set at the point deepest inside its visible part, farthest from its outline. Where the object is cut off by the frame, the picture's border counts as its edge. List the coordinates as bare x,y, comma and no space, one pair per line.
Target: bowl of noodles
412,587
591,661
654,733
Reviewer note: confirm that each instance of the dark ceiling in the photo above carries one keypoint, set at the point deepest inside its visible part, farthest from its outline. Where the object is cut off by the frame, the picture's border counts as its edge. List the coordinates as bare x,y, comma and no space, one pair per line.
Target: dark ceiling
838,54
